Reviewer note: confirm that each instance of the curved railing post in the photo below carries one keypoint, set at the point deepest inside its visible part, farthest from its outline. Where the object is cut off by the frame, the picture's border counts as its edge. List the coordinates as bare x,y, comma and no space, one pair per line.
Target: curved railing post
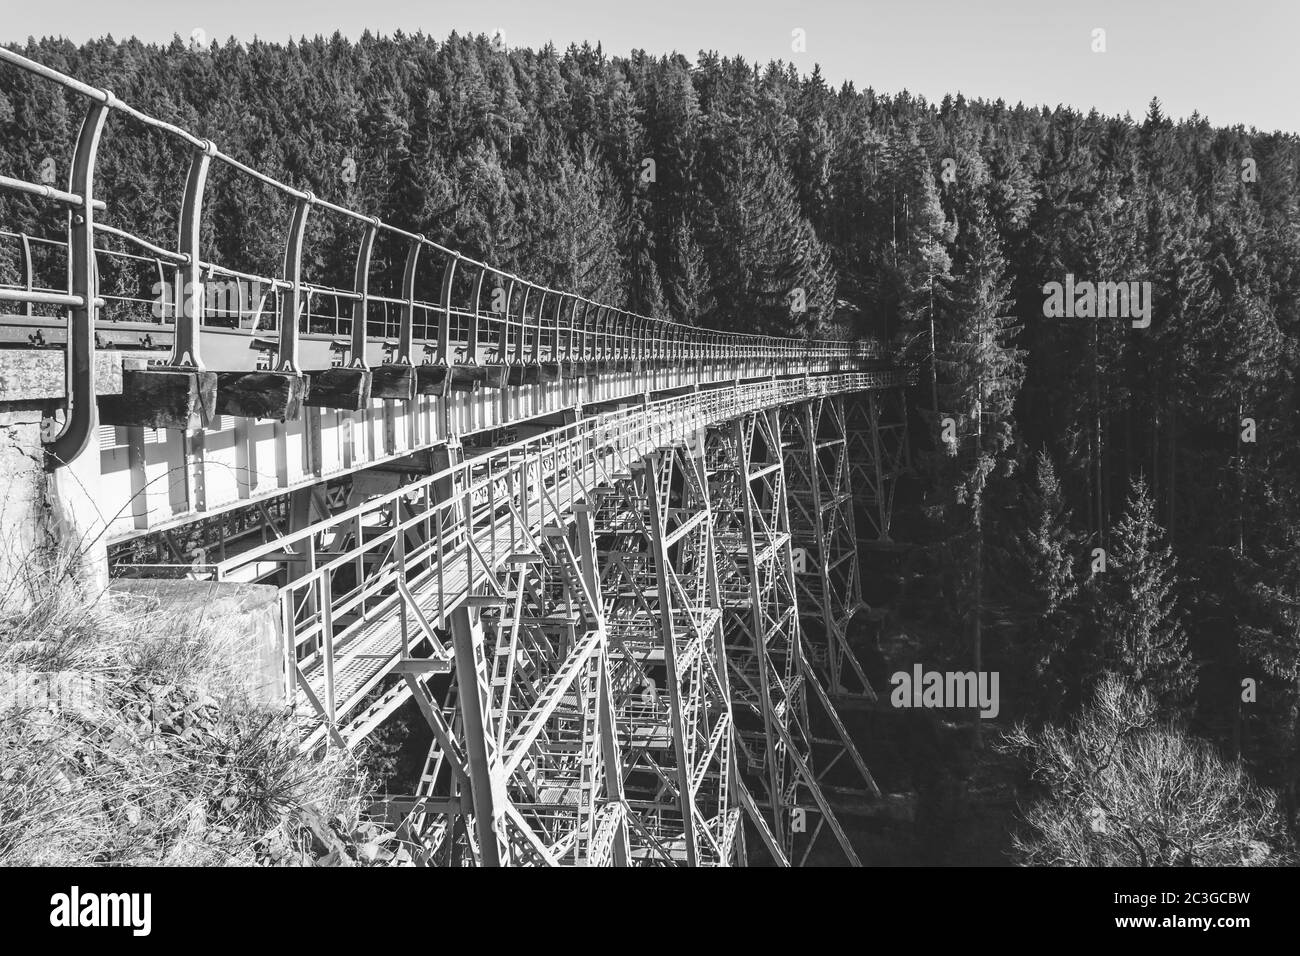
82,415
581,307
535,347
568,329
571,329
503,348
189,280
29,275
361,286
555,333
406,330
520,342
471,344
616,337
444,317
397,377
291,303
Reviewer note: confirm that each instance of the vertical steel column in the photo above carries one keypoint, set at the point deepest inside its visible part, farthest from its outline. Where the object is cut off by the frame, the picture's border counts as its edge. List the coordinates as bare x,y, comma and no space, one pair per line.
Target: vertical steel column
685,788
474,691
82,417
743,437
487,778
713,589
611,755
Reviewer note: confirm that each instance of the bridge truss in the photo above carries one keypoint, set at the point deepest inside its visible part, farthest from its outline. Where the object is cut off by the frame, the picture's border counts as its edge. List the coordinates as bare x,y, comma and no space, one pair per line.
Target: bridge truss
604,628
611,559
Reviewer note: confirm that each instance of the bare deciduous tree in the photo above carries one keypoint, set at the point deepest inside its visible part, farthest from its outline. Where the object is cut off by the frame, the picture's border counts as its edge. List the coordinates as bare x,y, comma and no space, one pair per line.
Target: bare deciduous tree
1124,788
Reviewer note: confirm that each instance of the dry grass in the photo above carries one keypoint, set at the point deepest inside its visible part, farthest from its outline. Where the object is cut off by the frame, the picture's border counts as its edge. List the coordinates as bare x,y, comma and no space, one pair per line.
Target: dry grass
143,756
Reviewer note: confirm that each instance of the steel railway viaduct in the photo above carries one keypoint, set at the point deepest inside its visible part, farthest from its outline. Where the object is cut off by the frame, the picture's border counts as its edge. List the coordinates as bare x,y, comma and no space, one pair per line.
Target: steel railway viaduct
613,559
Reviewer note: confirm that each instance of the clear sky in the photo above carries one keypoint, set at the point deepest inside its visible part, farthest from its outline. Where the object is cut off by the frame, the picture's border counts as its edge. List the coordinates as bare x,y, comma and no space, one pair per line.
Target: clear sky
1234,61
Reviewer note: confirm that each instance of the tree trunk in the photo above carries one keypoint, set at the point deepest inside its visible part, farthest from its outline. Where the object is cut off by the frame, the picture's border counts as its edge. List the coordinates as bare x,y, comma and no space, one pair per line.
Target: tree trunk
1173,471
1096,433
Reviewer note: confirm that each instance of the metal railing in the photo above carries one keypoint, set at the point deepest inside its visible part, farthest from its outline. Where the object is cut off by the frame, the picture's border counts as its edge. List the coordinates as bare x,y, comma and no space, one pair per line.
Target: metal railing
525,322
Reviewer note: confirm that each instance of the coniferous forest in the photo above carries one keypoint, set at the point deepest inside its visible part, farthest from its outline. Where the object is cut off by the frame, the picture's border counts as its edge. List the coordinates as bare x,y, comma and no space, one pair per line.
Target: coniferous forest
1108,514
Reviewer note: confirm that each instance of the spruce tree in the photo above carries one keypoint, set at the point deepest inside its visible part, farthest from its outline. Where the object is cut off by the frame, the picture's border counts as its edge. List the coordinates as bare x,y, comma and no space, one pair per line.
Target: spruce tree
690,298
1035,578
1142,632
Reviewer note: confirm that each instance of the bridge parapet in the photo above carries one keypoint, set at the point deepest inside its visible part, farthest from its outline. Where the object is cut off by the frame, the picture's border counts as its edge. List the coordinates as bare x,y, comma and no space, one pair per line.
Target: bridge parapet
230,340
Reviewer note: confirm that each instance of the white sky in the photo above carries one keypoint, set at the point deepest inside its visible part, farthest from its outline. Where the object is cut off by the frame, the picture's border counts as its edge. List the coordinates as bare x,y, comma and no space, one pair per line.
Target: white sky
1232,60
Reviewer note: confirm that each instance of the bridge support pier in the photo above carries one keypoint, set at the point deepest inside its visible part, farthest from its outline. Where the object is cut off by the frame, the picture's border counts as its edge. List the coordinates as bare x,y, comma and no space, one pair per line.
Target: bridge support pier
49,511
765,649
827,565
878,454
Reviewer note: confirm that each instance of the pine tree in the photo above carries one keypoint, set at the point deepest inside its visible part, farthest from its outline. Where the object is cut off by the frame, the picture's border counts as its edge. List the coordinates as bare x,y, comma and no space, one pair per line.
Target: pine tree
1138,611
688,289
1035,577
774,276
980,372
1045,551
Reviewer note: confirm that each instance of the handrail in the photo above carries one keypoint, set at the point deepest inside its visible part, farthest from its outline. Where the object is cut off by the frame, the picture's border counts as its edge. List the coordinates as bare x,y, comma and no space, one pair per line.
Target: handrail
612,333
